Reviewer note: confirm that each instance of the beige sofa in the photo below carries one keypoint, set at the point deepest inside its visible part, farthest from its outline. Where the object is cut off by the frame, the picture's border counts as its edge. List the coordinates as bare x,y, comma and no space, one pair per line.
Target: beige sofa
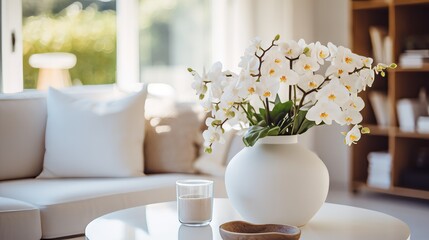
32,208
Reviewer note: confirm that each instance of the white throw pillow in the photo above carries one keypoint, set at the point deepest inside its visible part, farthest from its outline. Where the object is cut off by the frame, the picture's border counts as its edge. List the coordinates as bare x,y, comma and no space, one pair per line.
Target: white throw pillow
89,138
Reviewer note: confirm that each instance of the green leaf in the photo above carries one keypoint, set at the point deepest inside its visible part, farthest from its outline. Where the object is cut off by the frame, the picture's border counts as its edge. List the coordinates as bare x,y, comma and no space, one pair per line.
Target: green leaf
254,133
259,117
302,124
277,37
279,111
274,131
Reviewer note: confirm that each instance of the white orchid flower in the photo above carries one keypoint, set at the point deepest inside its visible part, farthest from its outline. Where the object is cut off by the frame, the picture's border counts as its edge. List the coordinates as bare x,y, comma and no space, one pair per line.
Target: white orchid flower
198,83
354,102
306,65
367,77
239,119
352,82
353,135
229,96
288,77
337,70
254,46
217,79
267,87
333,49
212,135
320,52
334,91
270,70
348,117
249,63
290,49
310,81
324,111
302,44
207,103
347,59
245,85
367,61
277,58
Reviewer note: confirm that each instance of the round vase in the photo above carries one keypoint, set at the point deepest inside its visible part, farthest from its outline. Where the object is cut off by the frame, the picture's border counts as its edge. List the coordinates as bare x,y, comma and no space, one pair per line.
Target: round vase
277,181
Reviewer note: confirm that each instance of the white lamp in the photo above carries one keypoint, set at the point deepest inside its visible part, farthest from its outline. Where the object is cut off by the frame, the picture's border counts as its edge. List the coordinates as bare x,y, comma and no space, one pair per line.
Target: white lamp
53,69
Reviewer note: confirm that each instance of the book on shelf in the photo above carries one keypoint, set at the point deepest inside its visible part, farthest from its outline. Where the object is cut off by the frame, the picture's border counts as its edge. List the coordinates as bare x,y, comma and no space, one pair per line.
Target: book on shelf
380,105
381,44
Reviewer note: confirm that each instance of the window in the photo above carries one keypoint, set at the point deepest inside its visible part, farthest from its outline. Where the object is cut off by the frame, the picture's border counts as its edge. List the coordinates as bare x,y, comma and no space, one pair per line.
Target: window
174,35
85,28
124,41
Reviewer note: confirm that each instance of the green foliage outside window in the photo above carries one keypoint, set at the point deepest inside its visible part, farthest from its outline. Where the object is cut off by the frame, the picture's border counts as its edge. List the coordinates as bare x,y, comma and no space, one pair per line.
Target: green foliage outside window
89,34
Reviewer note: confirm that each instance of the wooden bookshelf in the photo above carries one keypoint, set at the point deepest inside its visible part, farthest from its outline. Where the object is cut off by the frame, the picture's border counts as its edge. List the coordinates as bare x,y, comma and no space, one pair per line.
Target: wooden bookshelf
402,18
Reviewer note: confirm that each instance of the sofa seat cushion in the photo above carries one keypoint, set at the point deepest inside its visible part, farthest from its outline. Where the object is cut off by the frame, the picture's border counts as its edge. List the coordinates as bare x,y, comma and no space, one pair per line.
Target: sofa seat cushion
19,220
68,205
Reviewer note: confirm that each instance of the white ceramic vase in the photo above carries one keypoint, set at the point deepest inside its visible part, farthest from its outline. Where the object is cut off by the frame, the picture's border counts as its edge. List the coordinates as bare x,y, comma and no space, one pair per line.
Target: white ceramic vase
277,181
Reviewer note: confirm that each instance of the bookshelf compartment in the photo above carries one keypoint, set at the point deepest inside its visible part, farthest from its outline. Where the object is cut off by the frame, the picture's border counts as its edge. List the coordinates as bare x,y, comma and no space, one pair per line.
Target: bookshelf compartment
367,144
407,152
411,28
380,86
361,21
408,85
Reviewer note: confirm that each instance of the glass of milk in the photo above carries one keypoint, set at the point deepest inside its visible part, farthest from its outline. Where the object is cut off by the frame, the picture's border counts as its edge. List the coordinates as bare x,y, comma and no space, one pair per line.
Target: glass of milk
194,202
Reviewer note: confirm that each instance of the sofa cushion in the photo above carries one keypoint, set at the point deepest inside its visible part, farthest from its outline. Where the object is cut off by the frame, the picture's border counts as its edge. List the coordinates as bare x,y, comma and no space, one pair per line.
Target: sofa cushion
22,134
88,138
19,220
173,136
68,205
214,163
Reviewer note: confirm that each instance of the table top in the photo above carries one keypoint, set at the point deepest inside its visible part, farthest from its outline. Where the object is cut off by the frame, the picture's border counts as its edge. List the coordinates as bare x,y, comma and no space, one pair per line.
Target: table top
159,221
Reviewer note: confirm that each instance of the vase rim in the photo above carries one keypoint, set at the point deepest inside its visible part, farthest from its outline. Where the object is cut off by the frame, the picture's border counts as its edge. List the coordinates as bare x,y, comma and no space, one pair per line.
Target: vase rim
283,139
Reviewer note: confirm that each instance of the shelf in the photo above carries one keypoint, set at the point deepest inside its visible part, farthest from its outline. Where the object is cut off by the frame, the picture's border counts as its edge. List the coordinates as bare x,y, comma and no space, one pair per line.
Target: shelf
410,2
363,5
416,135
377,130
398,191
401,69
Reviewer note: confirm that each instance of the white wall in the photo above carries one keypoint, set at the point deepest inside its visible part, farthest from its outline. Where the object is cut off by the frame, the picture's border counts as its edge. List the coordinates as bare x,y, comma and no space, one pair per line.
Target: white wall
331,24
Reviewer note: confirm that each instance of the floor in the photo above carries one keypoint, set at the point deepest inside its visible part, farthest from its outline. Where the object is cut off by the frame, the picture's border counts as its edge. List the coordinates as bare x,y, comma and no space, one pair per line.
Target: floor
413,212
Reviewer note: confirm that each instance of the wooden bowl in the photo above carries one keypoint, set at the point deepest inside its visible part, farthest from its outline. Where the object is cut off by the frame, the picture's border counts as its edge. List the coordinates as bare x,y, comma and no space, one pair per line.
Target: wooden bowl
239,230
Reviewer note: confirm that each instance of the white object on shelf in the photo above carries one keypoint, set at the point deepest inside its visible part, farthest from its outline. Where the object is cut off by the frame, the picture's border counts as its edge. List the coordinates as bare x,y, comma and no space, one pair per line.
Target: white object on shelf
379,169
412,60
378,35
380,105
408,112
423,124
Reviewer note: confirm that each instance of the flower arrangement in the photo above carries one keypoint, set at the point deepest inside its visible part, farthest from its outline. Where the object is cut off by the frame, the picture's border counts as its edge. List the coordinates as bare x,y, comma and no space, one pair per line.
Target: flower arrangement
279,91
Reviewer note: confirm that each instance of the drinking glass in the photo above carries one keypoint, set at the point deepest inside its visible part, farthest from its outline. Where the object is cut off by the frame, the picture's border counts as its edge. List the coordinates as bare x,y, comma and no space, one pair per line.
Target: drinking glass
194,202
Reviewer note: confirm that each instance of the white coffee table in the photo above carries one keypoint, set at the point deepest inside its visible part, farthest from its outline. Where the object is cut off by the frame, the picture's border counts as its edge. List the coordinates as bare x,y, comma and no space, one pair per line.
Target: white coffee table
159,222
